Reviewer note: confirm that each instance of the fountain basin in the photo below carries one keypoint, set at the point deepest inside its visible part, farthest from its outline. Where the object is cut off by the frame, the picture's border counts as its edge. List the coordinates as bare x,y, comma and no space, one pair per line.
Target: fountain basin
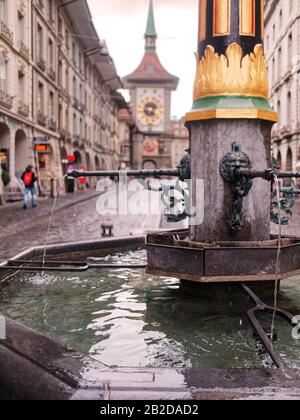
171,253
35,367
188,321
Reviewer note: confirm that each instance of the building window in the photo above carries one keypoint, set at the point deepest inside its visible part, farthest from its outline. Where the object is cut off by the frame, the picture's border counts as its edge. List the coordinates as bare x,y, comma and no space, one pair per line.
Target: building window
21,86
80,62
80,94
67,83
67,119
74,54
279,62
60,27
60,73
50,11
280,19
289,109
3,66
279,109
39,41
51,104
20,28
51,53
2,10
74,88
290,49
74,124
67,39
40,98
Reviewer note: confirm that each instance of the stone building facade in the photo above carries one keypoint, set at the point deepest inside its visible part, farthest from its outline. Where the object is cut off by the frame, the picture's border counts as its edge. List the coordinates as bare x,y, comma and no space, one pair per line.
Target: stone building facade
58,91
16,84
282,47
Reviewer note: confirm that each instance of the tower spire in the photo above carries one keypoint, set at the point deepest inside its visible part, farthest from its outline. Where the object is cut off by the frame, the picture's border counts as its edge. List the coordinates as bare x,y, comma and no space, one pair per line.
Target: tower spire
150,34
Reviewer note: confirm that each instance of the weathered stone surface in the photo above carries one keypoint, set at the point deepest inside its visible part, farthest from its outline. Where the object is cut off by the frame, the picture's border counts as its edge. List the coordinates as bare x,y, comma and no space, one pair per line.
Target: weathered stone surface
210,141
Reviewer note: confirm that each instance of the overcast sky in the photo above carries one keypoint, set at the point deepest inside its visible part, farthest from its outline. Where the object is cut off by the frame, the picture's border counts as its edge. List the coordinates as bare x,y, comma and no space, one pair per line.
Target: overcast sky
122,24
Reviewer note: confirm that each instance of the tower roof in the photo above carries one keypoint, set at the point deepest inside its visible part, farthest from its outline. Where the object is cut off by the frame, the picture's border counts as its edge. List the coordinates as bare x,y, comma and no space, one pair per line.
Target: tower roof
150,69
150,29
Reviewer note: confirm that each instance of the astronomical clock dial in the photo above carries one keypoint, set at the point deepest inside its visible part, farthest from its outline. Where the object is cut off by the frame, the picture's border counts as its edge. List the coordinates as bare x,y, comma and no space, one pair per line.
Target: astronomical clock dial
150,111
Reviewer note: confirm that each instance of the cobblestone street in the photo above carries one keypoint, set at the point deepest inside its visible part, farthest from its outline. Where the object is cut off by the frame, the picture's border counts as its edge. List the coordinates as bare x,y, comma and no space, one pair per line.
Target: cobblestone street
75,219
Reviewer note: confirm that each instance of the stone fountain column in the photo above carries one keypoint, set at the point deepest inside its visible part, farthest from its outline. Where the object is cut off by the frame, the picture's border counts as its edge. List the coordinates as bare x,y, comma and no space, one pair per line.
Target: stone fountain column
231,105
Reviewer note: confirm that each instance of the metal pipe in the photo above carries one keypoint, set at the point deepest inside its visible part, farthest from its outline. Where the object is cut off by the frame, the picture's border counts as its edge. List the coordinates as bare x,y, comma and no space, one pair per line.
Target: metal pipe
258,329
76,268
267,174
134,173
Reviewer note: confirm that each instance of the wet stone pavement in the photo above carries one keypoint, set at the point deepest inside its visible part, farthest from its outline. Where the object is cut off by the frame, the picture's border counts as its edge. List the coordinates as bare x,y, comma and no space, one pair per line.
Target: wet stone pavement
76,219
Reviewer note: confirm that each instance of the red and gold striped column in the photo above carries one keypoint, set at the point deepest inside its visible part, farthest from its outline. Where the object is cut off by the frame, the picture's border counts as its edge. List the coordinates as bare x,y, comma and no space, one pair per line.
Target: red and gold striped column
231,79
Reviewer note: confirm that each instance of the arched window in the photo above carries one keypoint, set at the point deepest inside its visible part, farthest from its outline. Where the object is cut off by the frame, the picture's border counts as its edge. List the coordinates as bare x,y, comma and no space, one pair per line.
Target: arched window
289,160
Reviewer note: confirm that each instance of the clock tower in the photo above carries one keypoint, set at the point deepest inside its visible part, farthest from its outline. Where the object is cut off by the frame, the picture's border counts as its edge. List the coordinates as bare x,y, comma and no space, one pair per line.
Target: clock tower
151,87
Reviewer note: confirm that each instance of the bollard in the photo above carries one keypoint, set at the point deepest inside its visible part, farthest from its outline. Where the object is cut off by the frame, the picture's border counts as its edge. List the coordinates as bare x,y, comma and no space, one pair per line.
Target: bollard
107,230
2,328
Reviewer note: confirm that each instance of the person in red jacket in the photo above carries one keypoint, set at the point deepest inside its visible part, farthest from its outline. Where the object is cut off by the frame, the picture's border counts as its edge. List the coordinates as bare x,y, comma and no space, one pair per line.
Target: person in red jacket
29,178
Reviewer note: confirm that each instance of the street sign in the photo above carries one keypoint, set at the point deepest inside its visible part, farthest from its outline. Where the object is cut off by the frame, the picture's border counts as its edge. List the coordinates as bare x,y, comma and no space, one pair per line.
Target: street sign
41,140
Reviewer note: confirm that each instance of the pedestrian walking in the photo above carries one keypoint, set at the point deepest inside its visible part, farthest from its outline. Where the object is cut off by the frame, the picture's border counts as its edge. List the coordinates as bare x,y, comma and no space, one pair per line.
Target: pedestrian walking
29,178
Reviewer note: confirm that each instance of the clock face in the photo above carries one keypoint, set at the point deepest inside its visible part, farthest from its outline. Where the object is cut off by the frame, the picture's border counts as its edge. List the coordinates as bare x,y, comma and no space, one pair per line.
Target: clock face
150,109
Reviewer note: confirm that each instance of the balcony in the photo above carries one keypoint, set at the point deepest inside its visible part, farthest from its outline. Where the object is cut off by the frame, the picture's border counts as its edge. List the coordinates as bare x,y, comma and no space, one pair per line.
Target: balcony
60,39
51,21
52,74
41,63
65,134
21,7
41,119
23,109
6,100
52,124
6,33
77,139
76,103
82,108
40,5
24,50
65,95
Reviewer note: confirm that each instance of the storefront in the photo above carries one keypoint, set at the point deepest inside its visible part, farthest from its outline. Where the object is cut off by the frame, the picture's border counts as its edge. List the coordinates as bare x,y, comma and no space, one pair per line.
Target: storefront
44,163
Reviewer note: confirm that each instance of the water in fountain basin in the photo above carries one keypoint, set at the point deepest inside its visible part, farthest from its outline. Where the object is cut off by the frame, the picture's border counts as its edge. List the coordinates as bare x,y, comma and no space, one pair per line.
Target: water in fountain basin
129,318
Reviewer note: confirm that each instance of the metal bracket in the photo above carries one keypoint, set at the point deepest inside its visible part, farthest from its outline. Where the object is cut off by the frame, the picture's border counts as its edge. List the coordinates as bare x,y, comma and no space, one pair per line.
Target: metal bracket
260,332
240,185
169,192
286,203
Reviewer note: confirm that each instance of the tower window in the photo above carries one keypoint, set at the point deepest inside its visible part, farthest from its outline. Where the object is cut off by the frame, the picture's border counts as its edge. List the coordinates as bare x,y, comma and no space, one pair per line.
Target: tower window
150,68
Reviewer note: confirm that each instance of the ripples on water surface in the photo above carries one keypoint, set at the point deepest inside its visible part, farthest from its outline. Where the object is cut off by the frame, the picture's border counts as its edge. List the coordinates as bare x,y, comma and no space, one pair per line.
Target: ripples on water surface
128,318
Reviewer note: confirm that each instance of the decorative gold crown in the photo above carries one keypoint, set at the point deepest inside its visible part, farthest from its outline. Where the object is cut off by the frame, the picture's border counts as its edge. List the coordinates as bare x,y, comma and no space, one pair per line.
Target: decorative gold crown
231,74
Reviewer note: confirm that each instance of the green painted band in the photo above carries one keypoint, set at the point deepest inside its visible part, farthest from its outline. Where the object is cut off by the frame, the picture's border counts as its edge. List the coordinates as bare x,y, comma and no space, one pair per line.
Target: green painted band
231,102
